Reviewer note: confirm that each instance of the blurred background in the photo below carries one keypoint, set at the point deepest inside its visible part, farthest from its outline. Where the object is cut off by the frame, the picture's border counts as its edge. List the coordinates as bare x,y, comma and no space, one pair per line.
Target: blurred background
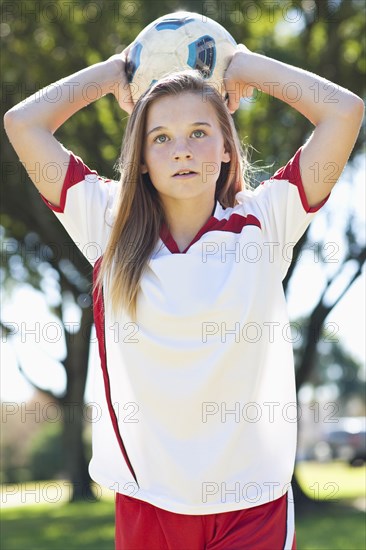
48,340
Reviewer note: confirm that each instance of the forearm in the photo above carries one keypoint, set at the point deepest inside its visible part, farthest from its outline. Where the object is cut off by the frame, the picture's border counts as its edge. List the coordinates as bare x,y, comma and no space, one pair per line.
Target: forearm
51,106
313,96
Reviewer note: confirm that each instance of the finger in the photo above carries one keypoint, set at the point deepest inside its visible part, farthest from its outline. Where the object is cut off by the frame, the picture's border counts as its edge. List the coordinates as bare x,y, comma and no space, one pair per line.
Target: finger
124,98
243,48
123,91
232,105
248,90
233,95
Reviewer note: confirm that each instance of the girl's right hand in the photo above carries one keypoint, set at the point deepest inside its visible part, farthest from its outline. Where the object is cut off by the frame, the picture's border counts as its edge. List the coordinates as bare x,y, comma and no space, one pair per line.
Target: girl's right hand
121,88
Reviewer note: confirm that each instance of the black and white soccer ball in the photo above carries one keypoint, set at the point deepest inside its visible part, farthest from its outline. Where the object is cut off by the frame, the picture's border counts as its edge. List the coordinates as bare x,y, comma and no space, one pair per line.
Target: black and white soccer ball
177,41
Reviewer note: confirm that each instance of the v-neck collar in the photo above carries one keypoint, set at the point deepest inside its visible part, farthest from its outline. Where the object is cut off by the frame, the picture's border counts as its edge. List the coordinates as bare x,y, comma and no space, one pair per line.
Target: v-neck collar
169,241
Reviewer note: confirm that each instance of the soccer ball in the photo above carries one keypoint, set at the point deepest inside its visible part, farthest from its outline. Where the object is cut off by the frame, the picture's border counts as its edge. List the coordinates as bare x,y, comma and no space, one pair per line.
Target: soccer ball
177,41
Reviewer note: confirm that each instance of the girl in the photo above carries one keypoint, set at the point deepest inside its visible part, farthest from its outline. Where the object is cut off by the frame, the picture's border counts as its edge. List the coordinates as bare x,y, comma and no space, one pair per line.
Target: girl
197,435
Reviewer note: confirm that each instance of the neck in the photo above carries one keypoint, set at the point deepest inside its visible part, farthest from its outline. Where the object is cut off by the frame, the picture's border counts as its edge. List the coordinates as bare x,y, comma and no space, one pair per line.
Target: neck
186,217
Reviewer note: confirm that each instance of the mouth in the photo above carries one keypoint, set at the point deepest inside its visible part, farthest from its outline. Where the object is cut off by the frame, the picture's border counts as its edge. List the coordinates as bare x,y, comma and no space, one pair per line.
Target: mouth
184,174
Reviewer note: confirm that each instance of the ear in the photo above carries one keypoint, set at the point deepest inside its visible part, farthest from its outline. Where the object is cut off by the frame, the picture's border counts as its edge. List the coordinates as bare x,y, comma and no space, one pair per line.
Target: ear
143,168
226,157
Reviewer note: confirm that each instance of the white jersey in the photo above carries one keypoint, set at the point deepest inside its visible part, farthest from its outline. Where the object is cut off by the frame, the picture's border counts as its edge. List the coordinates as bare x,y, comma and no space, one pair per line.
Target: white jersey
195,403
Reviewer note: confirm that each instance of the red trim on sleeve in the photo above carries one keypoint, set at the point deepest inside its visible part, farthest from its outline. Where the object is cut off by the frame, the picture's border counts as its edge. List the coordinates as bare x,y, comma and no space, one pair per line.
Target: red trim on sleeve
76,172
291,172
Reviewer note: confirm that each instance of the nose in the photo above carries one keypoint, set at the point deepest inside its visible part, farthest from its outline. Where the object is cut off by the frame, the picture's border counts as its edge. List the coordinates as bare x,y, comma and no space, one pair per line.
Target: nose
182,150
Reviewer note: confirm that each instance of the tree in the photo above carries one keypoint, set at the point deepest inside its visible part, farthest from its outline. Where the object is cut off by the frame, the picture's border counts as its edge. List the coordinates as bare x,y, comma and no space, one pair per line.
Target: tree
36,247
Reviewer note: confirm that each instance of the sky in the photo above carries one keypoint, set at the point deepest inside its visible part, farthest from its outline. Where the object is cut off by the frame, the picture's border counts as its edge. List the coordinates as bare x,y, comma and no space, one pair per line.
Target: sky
40,350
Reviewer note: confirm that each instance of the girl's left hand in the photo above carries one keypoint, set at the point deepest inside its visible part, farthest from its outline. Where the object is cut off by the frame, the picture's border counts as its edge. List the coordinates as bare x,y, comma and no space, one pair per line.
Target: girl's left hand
234,78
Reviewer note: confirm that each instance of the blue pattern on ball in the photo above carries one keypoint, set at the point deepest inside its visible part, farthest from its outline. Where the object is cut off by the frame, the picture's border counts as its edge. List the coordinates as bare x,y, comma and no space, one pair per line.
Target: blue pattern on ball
133,61
202,55
173,24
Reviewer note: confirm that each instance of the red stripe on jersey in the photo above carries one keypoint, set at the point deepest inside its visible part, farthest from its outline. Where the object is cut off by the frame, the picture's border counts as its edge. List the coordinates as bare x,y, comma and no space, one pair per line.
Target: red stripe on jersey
234,224
291,172
98,311
76,172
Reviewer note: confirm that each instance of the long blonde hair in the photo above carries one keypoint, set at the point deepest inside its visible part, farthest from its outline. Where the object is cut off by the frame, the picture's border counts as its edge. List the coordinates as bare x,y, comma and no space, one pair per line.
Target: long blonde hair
139,211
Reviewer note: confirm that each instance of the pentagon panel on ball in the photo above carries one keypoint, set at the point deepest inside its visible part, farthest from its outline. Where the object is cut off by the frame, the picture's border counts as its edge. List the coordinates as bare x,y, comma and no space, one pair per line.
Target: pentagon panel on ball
177,41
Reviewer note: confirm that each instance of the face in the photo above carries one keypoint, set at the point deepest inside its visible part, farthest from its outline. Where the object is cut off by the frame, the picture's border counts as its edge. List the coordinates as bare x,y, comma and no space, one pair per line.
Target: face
184,147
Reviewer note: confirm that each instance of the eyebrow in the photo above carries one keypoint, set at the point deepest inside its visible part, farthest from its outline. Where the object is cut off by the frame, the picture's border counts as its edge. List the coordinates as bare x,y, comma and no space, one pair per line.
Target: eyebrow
159,128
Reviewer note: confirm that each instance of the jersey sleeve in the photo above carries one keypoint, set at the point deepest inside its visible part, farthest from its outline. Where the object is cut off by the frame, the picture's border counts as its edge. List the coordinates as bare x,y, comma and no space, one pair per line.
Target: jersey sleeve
282,208
86,207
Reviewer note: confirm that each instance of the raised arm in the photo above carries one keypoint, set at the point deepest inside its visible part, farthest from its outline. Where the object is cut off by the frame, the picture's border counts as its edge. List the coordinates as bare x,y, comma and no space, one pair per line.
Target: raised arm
335,112
30,125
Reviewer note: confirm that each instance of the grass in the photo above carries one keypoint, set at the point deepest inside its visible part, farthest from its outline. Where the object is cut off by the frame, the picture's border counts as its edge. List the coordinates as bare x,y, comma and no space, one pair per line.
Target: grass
81,526
90,526
337,527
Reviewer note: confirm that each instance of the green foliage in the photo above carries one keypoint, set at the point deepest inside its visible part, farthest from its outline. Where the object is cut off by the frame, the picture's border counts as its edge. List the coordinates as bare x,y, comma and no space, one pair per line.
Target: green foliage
45,452
11,471
56,42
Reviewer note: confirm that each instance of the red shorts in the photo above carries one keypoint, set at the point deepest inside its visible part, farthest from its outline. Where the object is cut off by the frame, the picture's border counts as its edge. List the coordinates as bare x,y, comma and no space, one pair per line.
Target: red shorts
142,526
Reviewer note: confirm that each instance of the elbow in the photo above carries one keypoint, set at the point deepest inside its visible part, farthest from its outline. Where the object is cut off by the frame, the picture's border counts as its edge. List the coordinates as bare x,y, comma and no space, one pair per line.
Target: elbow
13,122
360,107
11,119
8,117
354,108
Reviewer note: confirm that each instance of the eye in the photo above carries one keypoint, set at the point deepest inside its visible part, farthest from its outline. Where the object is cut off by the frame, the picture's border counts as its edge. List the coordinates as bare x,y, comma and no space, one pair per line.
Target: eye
198,133
161,139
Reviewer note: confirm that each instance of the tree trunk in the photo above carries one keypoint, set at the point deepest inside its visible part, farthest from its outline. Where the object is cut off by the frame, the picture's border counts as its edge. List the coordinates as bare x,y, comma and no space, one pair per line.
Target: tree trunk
76,366
74,453
312,335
